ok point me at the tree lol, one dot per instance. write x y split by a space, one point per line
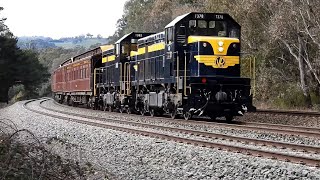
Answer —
18 66
89 35
99 36
283 36
8 52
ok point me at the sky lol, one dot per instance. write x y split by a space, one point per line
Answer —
61 18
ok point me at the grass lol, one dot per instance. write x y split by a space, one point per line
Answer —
24 156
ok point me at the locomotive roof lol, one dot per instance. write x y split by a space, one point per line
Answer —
176 20
131 34
179 18
93 51
123 37
152 37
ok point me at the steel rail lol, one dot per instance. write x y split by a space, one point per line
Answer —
274 128
303 148
292 113
237 149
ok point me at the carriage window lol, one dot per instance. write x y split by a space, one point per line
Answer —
202 24
192 23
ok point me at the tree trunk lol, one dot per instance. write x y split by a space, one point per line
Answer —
303 84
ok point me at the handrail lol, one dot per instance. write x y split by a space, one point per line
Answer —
128 79
94 82
185 74
177 74
120 64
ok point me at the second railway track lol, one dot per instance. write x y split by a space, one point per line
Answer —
289 113
101 122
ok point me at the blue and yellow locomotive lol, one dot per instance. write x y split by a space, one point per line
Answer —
191 68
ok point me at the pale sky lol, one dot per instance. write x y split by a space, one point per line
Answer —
61 18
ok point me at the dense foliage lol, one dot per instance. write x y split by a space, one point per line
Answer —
283 36
18 66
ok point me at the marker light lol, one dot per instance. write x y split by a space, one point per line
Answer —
204 80
204 44
221 49
220 43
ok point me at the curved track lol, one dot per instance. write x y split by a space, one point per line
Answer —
274 128
101 122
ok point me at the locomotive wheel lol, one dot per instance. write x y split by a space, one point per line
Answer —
229 118
152 113
212 117
129 110
73 104
121 109
173 114
142 111
187 115
160 113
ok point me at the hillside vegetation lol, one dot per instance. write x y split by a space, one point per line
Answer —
283 37
39 42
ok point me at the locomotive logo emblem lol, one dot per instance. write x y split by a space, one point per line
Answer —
220 62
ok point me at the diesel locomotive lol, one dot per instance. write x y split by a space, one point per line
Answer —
192 68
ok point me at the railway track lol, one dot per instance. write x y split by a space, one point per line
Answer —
101 122
274 128
289 113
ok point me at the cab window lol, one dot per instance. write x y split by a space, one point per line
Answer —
192 23
212 24
117 49
221 28
234 33
169 35
202 24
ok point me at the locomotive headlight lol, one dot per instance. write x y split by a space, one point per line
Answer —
220 43
221 49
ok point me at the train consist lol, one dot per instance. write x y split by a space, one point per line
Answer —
191 68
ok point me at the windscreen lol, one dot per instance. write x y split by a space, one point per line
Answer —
213 28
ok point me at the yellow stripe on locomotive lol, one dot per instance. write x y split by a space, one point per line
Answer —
156 47
108 58
218 61
219 57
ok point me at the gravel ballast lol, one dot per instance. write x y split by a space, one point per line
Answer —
183 135
127 156
184 124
